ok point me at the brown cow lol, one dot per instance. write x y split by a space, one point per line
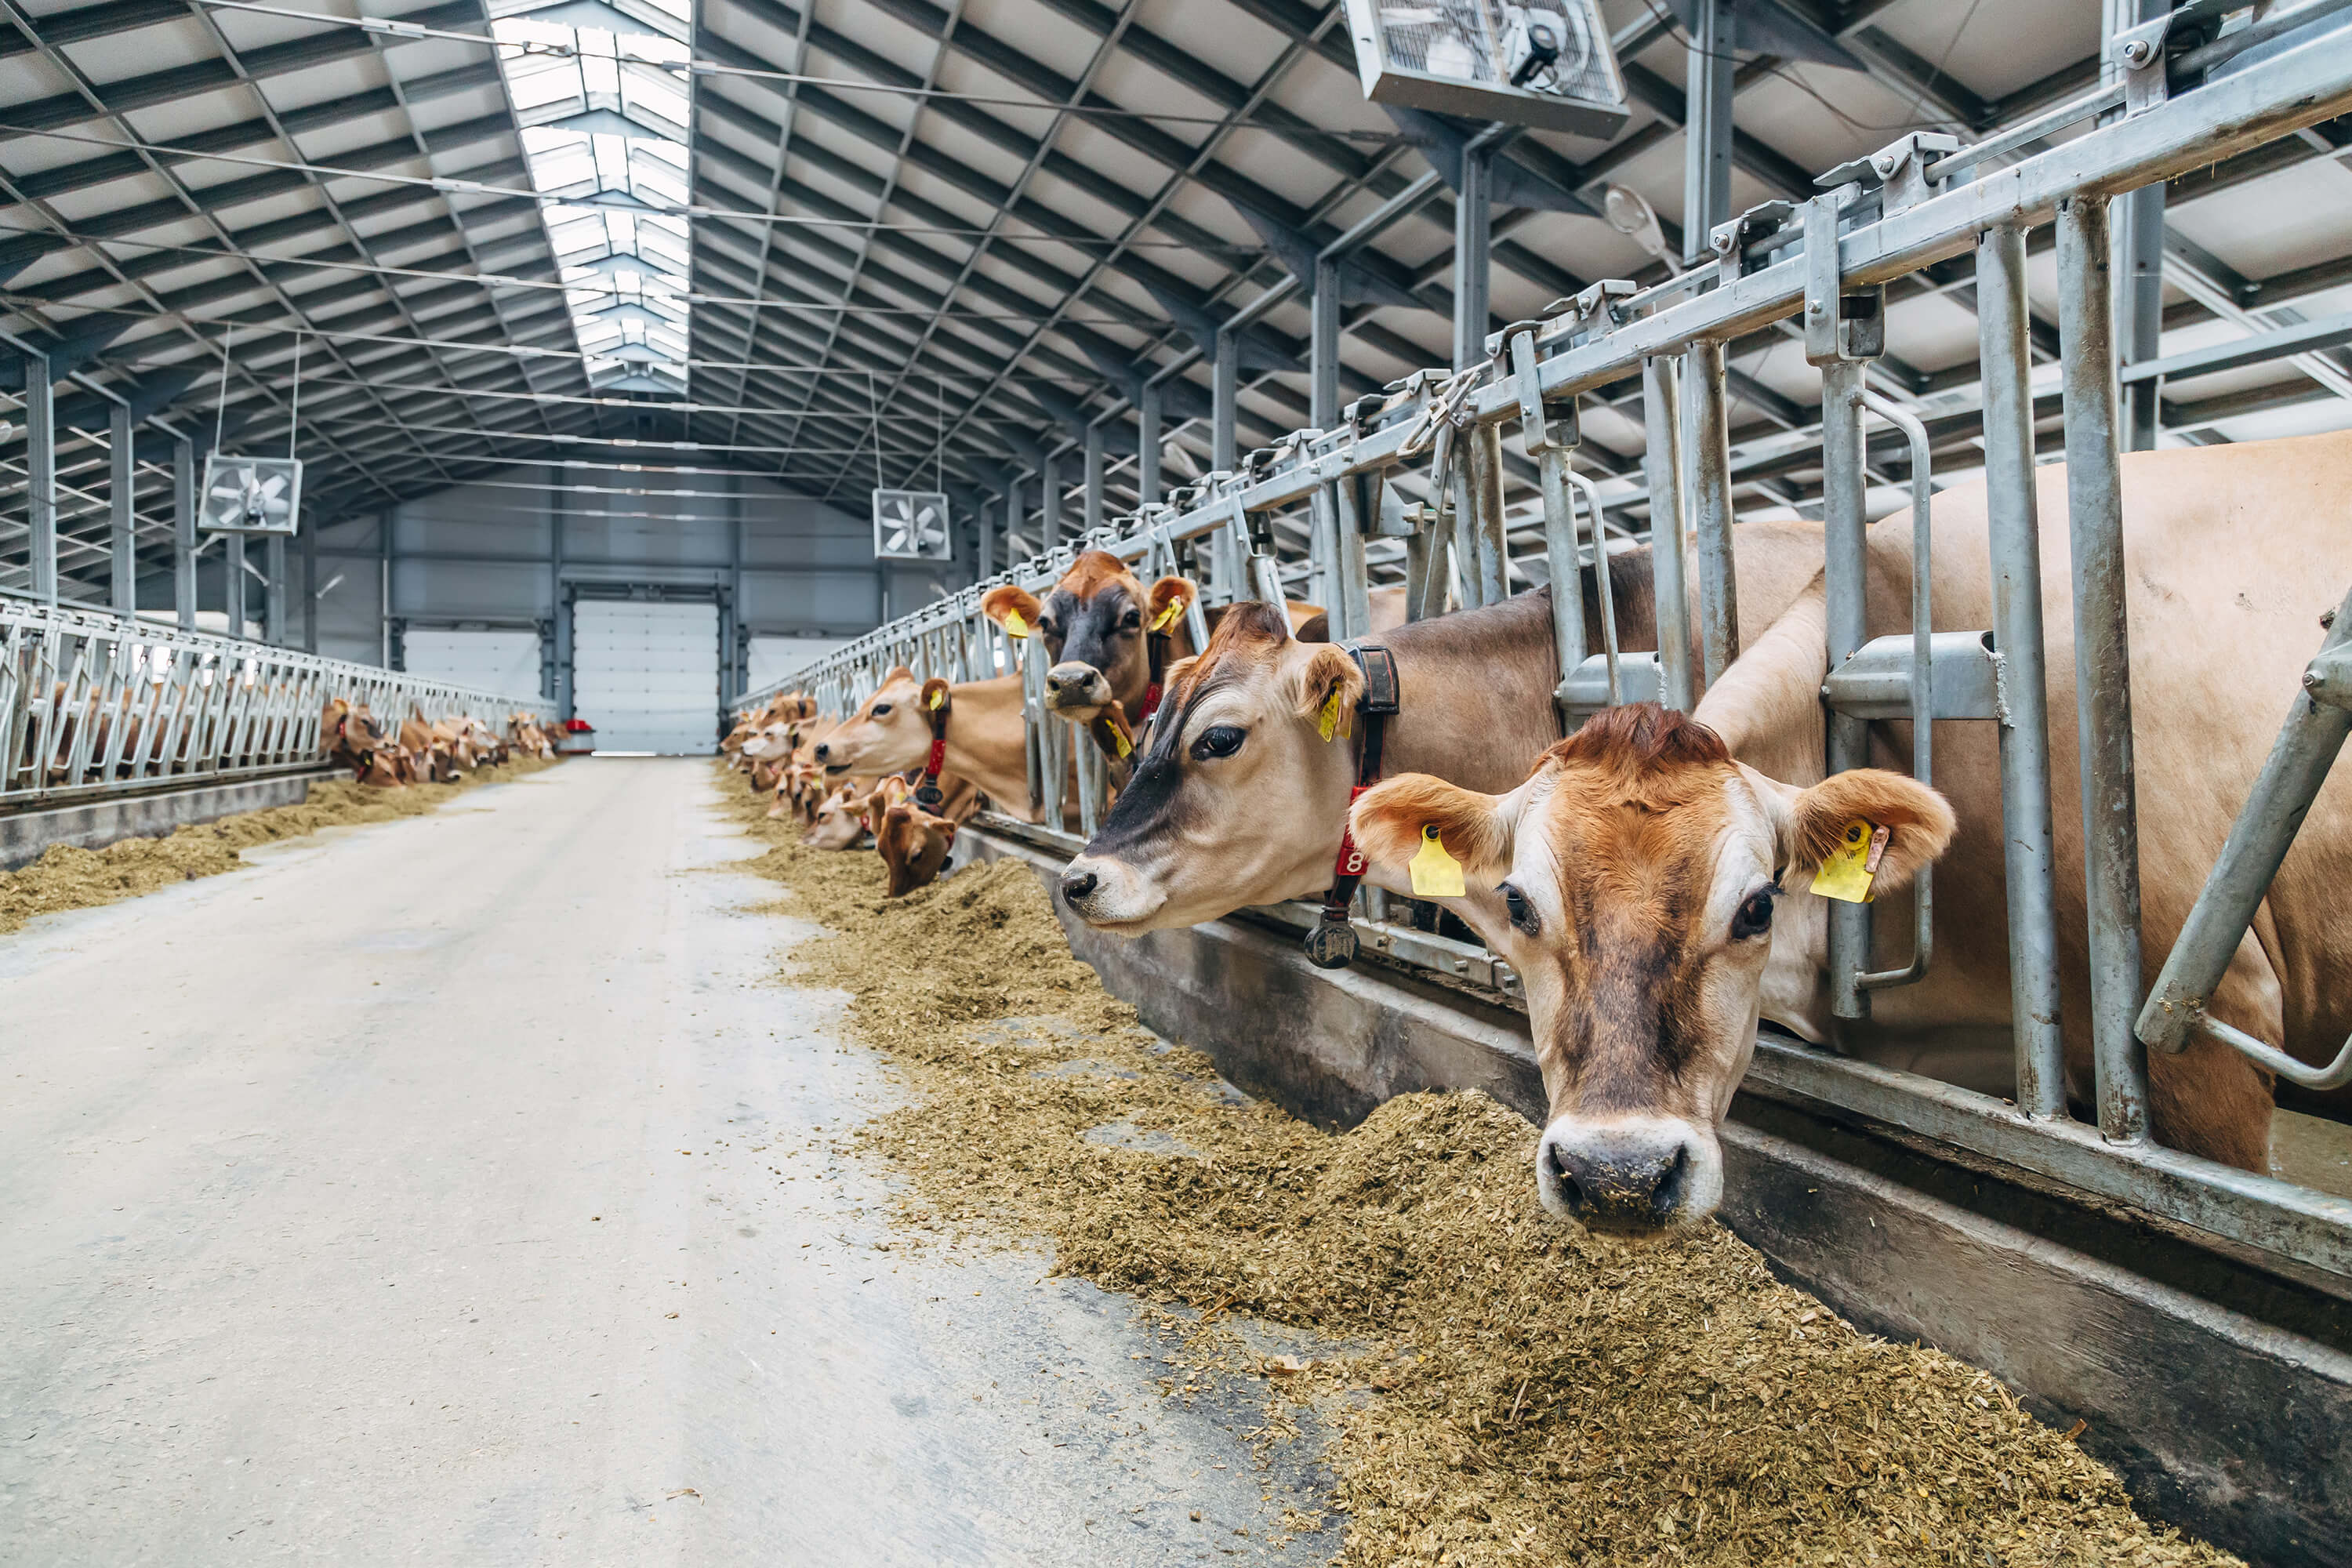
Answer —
914 844
891 733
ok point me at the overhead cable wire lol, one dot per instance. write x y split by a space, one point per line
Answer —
692 67
637 206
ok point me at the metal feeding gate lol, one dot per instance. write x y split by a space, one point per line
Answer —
1826 262
95 704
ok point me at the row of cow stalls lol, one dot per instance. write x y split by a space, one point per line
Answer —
1824 266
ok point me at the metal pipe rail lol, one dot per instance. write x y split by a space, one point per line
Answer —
95 704
1884 217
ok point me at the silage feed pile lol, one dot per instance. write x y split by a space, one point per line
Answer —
68 877
1505 1389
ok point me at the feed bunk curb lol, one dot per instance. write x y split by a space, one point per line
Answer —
26 835
2235 1429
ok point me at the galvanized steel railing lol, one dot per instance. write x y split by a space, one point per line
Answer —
96 704
1827 263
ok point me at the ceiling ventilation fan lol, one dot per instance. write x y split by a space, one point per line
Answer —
911 525
250 495
1546 64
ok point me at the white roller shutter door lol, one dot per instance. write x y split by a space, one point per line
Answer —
647 675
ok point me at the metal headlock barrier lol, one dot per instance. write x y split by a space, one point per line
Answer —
2182 101
94 704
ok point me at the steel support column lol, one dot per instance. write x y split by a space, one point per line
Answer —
1323 347
41 476
121 523
1845 520
1094 476
2137 242
310 590
184 533
983 564
1147 443
2095 519
273 591
1710 72
1662 468
1706 430
1049 521
1224 397
2014 527
232 581
1473 230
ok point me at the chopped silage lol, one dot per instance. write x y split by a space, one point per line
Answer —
67 876
1507 1390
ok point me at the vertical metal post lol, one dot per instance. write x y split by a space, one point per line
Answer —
1706 429
1147 443
1709 70
1484 447
736 648
273 599
2095 519
1561 550
1662 469
2013 525
385 522
1224 397
232 576
984 565
184 533
1094 476
1473 249
1845 520
121 521
1359 502
559 616
1049 521
310 590
2137 255
41 476
1323 347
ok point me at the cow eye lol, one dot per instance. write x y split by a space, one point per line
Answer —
1755 916
1522 913
881 710
1218 740
1131 621
1047 624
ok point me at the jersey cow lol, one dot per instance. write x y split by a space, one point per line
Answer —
1655 855
1242 794
978 727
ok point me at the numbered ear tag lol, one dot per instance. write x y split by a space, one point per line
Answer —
939 699
1015 625
1167 617
1327 721
1436 874
1119 739
1852 866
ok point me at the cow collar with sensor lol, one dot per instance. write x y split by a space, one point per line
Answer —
1333 944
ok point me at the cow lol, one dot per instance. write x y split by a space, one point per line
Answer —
839 821
913 843
1241 794
2232 555
985 742
1109 638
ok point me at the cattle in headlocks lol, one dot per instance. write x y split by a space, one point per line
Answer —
1110 641
1241 797
976 725
352 738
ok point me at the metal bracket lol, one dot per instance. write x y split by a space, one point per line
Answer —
2328 677
1538 436
1586 688
1840 327
1729 239
1876 683
2140 52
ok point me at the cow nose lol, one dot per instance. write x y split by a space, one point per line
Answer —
1069 678
1616 1183
1078 885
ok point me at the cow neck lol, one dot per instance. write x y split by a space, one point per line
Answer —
1478 687
986 743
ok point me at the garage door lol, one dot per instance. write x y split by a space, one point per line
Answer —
504 662
646 675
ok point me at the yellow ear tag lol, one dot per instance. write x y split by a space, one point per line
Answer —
939 699
1126 747
1852 866
1014 624
1436 874
1168 616
1327 721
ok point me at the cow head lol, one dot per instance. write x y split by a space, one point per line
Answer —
914 844
1639 867
890 731
839 821
1096 623
1240 791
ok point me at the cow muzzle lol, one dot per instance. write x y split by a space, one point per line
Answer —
1077 691
1635 1175
1108 894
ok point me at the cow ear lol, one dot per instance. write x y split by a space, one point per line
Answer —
935 695
1167 602
1918 821
1391 820
1007 601
1329 689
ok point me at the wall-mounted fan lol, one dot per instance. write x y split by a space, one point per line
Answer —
1546 64
911 525
250 495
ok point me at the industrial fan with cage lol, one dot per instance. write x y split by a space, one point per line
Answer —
250 495
911 525
1546 64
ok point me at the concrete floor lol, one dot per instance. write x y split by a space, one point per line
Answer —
459 1190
